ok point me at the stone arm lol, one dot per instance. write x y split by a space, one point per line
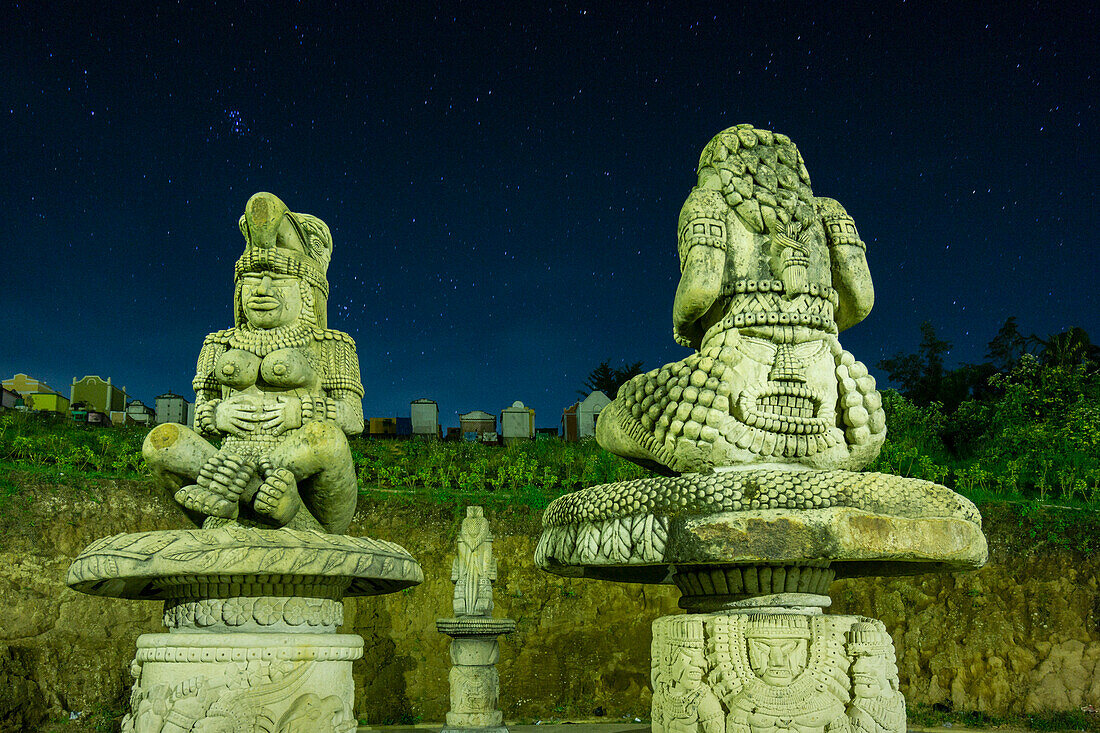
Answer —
208 391
340 382
848 257
701 241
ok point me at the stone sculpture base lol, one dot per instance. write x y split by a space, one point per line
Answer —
240 681
764 668
475 683
252 616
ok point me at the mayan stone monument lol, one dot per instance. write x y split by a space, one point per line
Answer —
475 685
253 597
759 435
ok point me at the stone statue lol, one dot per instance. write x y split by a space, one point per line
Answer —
475 650
759 434
770 274
475 568
877 705
253 599
280 388
682 701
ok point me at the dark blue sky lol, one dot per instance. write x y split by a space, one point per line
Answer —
502 183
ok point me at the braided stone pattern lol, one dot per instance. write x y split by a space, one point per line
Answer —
333 652
255 259
735 491
764 179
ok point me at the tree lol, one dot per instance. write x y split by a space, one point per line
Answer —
1006 348
607 379
1068 348
921 375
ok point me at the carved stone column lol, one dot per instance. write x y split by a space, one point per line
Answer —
755 653
475 685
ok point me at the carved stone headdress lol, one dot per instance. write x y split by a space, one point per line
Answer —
868 639
266 251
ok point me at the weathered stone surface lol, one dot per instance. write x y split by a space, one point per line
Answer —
475 649
769 274
774 671
151 565
252 600
758 433
280 390
862 523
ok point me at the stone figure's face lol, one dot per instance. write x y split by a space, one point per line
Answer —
271 300
786 388
777 661
686 670
869 677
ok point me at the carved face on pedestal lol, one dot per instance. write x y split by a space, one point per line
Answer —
271 300
869 677
687 671
778 661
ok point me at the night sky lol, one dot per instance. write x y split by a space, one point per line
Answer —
503 183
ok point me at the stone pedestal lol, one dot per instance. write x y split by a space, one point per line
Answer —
753 553
252 618
475 685
766 667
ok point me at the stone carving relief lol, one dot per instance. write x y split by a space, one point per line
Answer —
475 568
682 701
253 598
475 650
770 273
877 704
474 689
768 672
280 388
239 701
628 522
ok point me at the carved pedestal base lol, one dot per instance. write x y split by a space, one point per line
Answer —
475 687
252 617
242 681
749 671
475 684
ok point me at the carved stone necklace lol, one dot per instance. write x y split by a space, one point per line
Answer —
262 342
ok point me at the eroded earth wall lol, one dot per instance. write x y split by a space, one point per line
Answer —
1021 635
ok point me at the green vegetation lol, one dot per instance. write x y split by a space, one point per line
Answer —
607 379
529 474
1023 425
940 716
35 441
1021 431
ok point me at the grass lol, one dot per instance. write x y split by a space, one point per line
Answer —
941 716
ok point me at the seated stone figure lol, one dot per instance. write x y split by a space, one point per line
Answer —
280 388
770 274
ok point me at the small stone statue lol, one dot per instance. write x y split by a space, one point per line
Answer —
475 568
475 684
877 704
280 388
770 273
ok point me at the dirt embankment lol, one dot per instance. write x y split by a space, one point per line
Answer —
1021 635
